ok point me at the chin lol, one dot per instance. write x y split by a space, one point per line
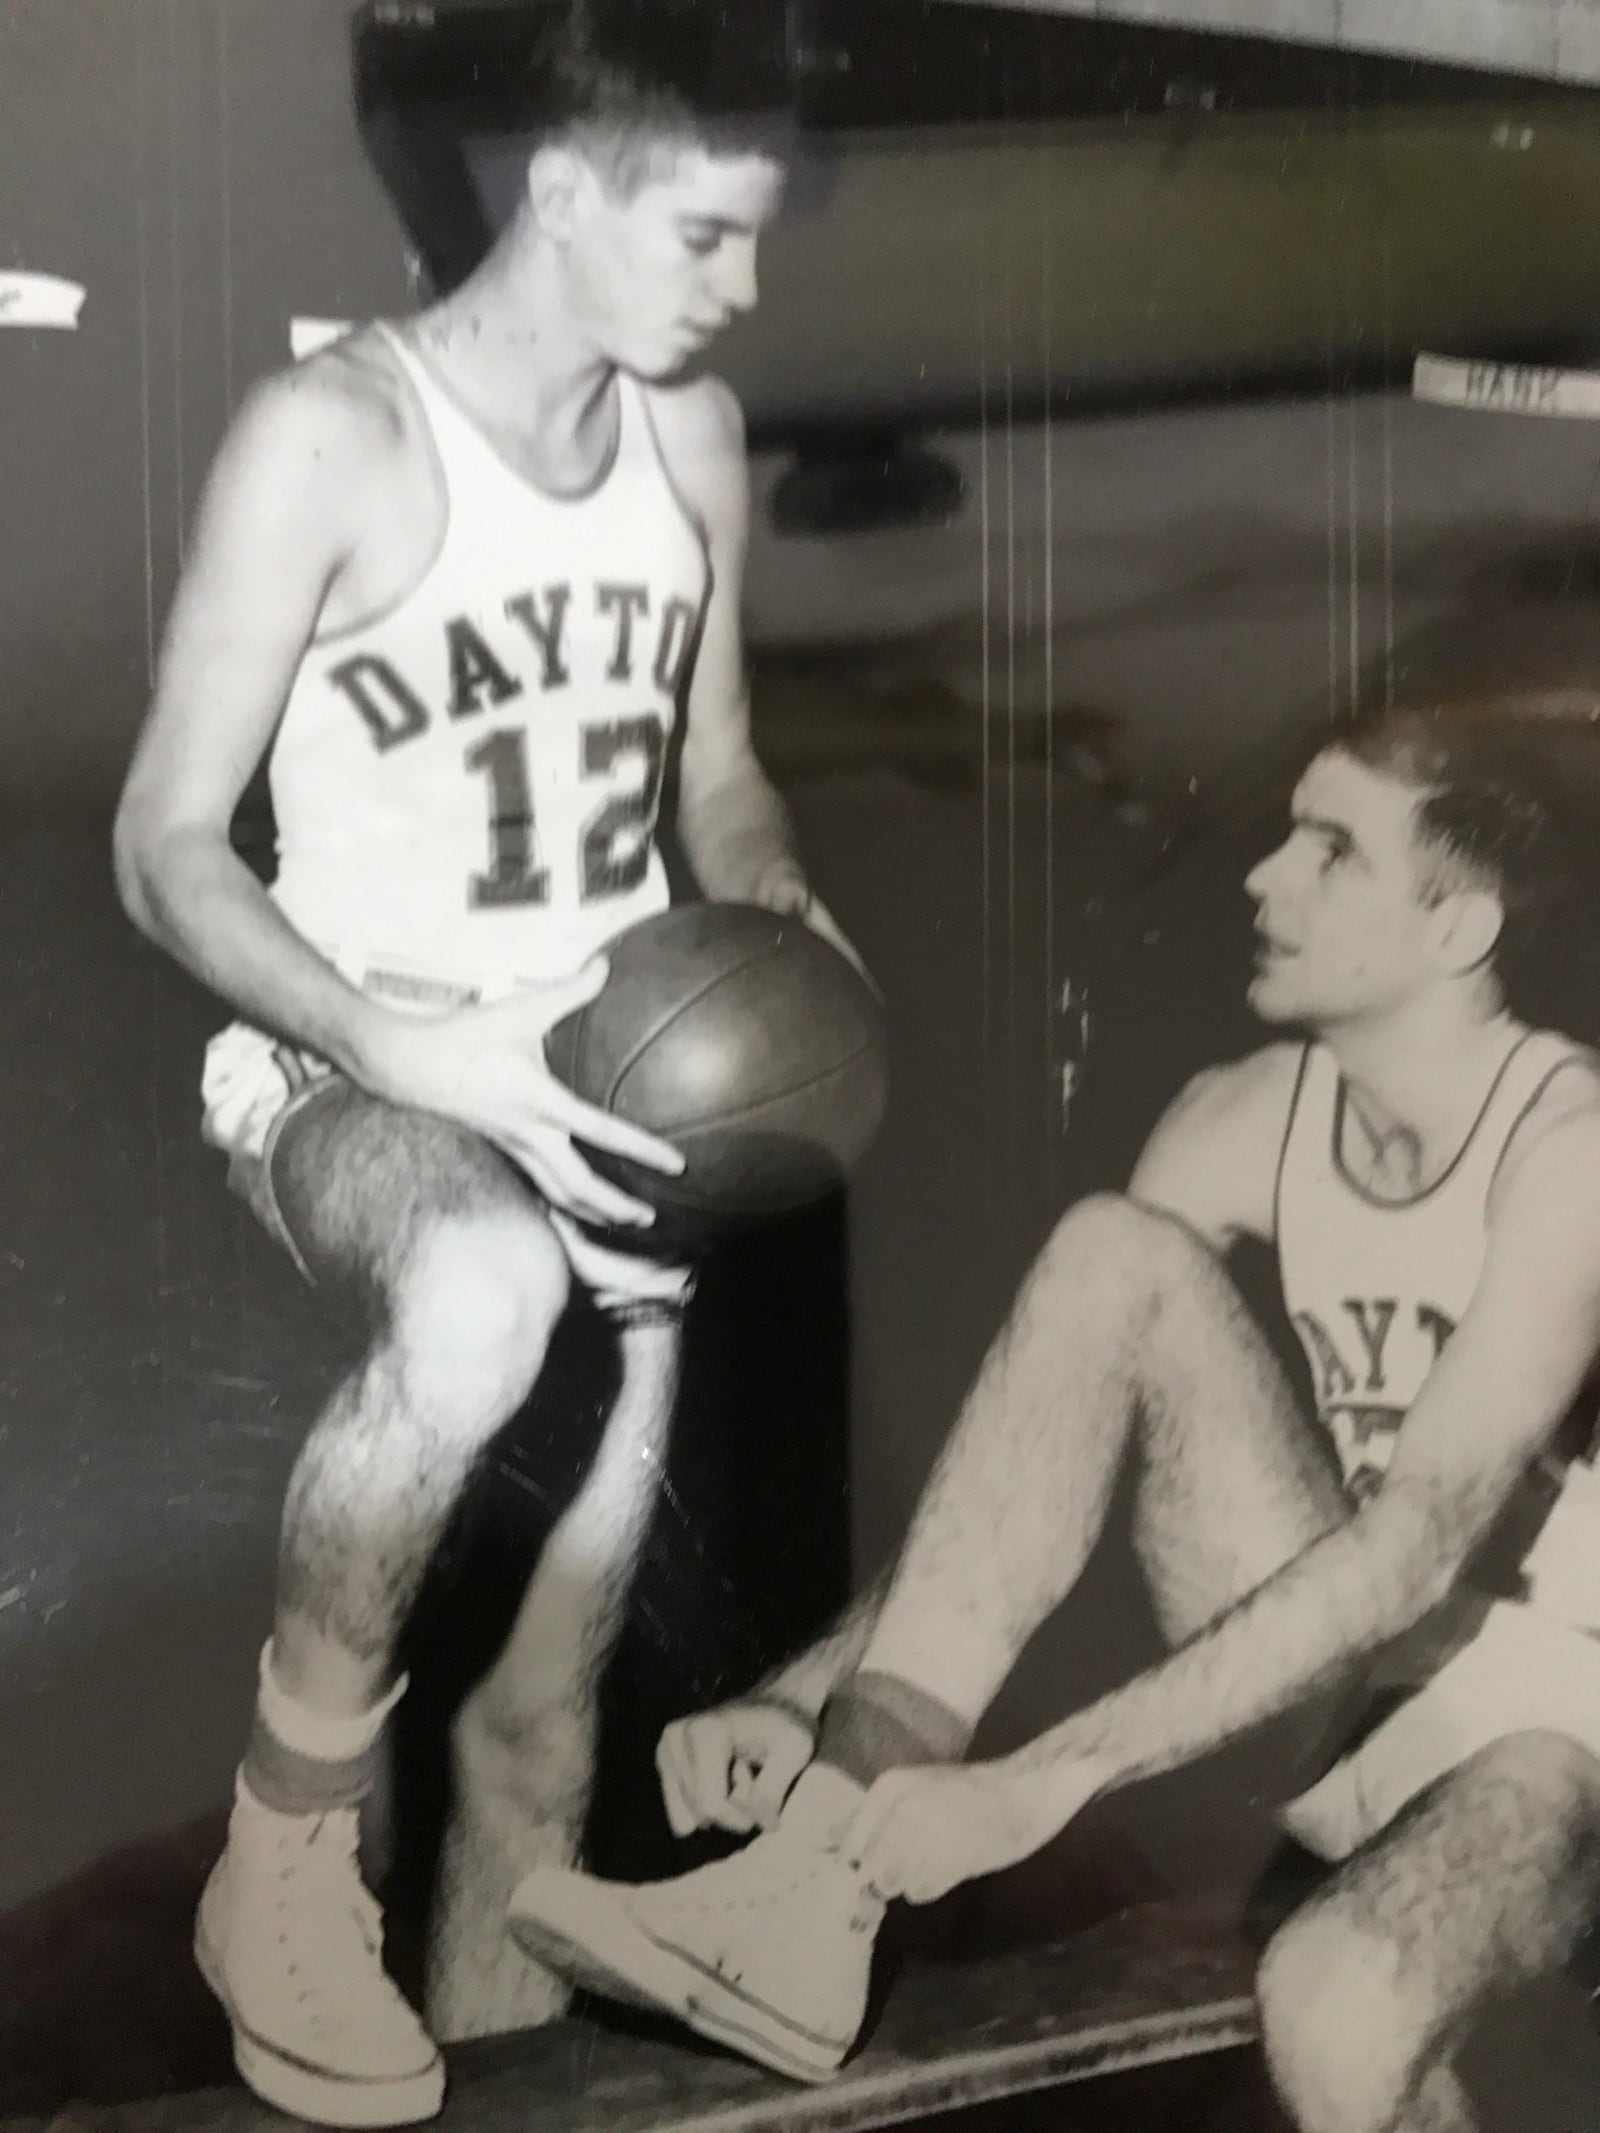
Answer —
666 361
1268 1002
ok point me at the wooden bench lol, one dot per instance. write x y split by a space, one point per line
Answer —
1144 1988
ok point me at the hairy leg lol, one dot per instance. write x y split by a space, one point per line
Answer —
524 1741
447 1262
1127 1340
1486 1885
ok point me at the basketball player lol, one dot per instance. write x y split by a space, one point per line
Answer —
456 578
1428 1170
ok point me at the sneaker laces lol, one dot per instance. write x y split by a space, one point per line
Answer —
334 1927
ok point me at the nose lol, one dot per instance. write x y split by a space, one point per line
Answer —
1265 875
736 279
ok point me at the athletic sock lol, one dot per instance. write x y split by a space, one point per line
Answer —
880 1722
300 1762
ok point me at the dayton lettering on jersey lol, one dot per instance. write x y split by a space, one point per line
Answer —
477 675
1353 1364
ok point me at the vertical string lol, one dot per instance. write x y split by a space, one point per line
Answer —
225 199
175 113
1386 297
141 91
985 722
1055 1095
154 994
1354 142
1012 988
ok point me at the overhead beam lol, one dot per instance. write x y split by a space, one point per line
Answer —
1554 40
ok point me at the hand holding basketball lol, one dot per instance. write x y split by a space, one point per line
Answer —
484 1067
783 888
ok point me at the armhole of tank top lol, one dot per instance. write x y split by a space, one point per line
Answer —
1571 1056
1302 1073
650 439
409 376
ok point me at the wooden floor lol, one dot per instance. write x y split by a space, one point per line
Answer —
1137 1991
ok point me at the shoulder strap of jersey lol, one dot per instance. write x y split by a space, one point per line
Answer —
460 447
1533 1064
1306 1153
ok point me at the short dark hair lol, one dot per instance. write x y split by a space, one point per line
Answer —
623 78
1508 798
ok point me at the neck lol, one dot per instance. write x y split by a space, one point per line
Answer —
1418 1074
508 345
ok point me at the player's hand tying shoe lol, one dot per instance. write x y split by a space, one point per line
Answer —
920 1833
732 1767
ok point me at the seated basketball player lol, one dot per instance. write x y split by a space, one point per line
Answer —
458 577
1428 1169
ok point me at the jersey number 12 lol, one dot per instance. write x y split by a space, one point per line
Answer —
613 844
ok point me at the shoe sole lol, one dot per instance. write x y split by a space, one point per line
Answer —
553 1921
311 2092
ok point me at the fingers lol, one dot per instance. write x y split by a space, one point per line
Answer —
566 995
822 922
676 1796
867 1844
770 1783
895 1842
701 1780
601 1129
567 1182
732 1770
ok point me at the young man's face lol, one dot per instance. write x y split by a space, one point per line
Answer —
656 273
1346 930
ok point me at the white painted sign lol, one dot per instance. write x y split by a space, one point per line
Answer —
39 300
1507 388
307 335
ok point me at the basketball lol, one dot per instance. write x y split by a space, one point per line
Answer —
745 1040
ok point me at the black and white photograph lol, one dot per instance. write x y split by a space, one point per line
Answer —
800 1287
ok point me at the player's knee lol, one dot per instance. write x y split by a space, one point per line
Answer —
479 1299
1131 1248
1550 1771
1325 1985
513 1753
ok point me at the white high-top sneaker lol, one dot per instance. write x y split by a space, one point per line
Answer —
289 1938
768 1952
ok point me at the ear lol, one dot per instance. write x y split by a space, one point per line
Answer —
1469 923
555 183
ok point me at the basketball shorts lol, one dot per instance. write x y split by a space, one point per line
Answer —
1522 1669
253 1085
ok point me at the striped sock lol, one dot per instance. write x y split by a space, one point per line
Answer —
880 1722
301 1762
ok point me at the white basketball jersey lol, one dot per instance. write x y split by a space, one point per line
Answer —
466 787
1376 1287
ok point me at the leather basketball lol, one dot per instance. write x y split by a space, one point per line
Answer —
746 1041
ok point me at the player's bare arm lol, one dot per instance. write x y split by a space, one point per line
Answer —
1212 1158
275 533
315 456
736 829
1492 1403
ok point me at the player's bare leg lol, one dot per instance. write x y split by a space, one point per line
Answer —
1127 1341
524 1741
448 1263
1484 1886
